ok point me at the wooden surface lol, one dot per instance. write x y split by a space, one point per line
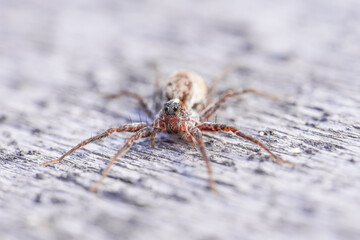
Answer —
58 58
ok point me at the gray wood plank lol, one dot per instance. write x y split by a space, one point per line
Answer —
57 59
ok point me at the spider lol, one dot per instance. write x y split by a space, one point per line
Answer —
188 107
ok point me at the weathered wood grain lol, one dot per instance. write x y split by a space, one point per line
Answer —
58 59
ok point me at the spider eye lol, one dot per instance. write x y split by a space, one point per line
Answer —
171 107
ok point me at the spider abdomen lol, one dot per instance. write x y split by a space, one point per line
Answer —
187 86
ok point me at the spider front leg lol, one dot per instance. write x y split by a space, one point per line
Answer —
213 127
144 132
227 94
125 128
195 133
190 138
139 98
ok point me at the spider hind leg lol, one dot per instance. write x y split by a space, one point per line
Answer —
212 109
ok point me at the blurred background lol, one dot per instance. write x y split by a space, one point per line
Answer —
50 41
74 45
58 59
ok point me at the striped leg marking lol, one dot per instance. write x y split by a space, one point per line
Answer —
144 132
139 98
213 127
230 93
197 135
125 128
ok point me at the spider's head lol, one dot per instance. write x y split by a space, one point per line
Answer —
172 107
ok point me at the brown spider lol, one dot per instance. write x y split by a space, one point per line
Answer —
189 105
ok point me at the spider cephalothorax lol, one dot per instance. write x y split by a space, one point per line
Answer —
189 105
172 107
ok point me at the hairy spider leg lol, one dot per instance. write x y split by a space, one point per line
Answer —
144 132
145 107
220 77
197 135
190 138
214 127
133 127
152 139
227 94
158 96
